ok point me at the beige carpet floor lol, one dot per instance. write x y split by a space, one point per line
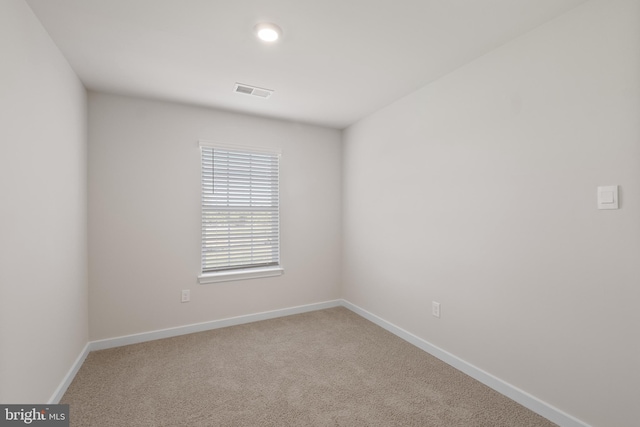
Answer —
324 368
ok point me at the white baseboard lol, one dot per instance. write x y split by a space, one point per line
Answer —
180 330
205 326
522 397
66 381
525 399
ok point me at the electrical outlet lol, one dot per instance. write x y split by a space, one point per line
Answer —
435 309
186 295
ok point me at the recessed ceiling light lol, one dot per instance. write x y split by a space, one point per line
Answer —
268 32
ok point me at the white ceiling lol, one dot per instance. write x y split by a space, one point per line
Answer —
338 60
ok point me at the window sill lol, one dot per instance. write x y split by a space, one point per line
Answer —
228 276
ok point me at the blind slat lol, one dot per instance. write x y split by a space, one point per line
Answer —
240 209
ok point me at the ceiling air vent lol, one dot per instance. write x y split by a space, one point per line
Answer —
252 90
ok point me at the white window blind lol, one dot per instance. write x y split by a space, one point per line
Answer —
240 209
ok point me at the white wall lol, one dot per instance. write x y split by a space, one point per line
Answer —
144 215
478 191
43 263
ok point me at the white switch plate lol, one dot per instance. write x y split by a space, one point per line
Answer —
435 309
608 197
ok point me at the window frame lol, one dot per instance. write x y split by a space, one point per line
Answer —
237 273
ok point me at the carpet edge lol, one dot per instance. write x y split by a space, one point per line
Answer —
527 400
68 378
206 326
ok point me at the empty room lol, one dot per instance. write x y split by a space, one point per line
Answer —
320 213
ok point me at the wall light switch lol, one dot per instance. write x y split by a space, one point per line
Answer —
435 309
608 197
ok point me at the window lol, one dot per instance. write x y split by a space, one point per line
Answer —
240 213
